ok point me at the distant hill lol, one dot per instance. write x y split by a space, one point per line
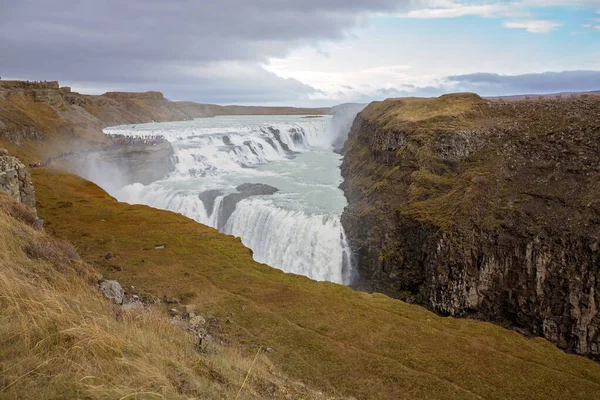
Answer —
545 96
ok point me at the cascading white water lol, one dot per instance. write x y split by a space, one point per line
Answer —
305 244
298 228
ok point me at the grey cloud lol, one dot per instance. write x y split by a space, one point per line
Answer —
489 84
546 82
154 44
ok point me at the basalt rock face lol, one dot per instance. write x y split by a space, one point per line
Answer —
480 208
15 179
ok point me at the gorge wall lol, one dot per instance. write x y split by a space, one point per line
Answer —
483 209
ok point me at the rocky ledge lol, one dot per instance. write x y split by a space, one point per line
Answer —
483 209
16 180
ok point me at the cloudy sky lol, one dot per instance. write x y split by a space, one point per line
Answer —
304 53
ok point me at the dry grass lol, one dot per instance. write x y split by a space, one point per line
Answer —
326 335
20 212
59 339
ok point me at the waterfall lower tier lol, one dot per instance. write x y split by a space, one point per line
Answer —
310 245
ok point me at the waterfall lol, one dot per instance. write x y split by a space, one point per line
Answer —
304 244
297 229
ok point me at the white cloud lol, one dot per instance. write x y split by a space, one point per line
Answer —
432 9
455 10
593 24
533 26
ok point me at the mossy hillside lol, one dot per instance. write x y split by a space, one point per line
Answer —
60 339
35 130
453 210
327 335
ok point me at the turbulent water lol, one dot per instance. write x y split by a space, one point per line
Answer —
298 228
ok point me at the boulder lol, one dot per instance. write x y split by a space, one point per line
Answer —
112 290
208 199
256 189
15 180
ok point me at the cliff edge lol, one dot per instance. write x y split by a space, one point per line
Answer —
480 208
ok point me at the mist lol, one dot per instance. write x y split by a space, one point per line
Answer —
341 123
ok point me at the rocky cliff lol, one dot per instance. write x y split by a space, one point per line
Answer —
484 209
15 180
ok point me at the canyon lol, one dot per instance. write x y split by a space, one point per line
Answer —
420 175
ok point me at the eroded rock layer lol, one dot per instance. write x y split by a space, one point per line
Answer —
481 208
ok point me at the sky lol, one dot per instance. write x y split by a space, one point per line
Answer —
304 53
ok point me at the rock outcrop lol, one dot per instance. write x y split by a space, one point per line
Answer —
16 180
244 191
483 209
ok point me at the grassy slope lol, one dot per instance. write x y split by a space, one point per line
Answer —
345 342
60 339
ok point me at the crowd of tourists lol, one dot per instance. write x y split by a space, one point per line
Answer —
137 140
117 141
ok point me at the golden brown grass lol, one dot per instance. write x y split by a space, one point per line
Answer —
402 113
20 111
59 339
326 335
